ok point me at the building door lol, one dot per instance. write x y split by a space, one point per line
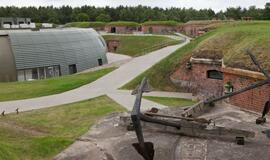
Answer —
113 30
72 69
150 30
100 63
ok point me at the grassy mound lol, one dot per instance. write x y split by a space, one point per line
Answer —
231 39
123 23
31 89
42 134
165 23
140 45
86 24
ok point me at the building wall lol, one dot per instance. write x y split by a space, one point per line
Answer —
193 30
112 45
254 99
7 62
54 50
121 29
14 21
159 29
195 80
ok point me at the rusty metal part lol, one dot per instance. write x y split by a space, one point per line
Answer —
252 86
267 133
153 110
146 149
199 120
141 147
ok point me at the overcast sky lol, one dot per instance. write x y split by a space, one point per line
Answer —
198 4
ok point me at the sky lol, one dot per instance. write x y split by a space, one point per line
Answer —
197 4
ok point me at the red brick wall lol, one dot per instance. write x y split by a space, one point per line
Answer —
196 81
112 45
159 29
121 29
193 30
254 99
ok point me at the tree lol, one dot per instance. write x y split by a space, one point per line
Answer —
235 13
103 18
82 17
267 11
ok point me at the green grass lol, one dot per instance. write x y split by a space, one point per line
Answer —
86 24
170 102
167 23
231 38
140 45
123 23
42 134
31 89
159 74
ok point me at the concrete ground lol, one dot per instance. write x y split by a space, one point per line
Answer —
106 85
109 140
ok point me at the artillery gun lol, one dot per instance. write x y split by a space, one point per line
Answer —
188 123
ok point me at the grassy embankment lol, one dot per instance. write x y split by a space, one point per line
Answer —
171 102
42 134
31 89
86 24
232 39
140 45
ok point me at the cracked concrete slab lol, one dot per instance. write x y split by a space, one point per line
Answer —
111 137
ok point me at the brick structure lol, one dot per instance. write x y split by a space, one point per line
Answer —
197 28
112 45
120 29
198 81
247 18
254 99
158 29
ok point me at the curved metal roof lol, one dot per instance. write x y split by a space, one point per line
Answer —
58 47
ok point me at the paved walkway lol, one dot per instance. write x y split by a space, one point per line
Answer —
106 85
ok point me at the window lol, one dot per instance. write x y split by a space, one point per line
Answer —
41 73
38 73
20 75
49 72
214 74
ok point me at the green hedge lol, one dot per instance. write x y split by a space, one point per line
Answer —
123 23
86 24
167 23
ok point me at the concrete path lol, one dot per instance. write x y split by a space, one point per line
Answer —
114 57
106 85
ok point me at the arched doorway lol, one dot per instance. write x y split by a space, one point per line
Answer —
113 30
150 30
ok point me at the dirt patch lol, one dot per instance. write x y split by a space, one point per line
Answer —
23 129
214 54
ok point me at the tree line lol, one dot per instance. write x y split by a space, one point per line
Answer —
65 14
